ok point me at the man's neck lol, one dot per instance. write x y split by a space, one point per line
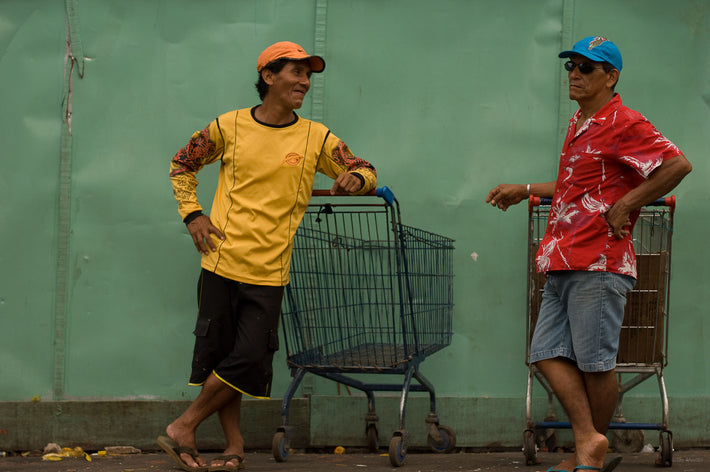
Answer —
589 108
274 115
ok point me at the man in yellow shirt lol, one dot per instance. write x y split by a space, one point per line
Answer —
268 159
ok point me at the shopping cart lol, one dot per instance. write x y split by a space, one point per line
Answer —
644 333
367 295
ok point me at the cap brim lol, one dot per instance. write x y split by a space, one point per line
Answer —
317 63
588 55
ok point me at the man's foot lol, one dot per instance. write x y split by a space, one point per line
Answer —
590 451
177 453
186 441
227 462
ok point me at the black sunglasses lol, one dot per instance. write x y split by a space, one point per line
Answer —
584 67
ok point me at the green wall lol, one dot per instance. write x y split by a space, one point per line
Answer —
447 98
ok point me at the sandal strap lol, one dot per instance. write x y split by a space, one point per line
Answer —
187 450
229 457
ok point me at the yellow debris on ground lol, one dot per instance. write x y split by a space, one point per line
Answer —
66 452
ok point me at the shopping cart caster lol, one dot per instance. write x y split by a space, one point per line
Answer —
280 446
398 448
666 454
628 440
372 438
530 448
446 443
546 440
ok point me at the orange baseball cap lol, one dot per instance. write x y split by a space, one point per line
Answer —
288 50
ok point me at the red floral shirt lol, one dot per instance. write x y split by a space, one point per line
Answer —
612 153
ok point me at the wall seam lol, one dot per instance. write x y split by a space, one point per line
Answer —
566 38
318 80
318 103
72 51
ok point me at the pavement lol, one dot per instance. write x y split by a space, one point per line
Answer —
690 460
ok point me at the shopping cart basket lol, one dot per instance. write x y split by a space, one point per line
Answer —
367 295
644 333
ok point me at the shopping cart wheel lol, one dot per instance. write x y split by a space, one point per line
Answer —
398 450
372 438
530 448
448 440
546 440
628 440
666 457
279 446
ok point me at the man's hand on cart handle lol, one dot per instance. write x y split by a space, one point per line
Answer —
201 229
346 183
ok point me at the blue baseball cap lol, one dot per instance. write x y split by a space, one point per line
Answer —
597 48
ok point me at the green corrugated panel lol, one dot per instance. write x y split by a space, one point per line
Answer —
447 98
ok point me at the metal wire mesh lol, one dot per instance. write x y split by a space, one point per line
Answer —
644 333
367 293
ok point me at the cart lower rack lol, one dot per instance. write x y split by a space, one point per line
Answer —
643 341
367 295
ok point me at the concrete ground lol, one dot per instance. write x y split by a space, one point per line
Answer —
691 460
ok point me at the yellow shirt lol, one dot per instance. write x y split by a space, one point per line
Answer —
265 183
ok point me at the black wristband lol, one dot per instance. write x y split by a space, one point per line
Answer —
362 179
189 218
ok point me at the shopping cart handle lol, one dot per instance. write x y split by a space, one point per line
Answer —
386 194
382 192
665 201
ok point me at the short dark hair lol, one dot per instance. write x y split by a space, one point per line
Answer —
275 66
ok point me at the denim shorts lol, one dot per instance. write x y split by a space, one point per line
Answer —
580 318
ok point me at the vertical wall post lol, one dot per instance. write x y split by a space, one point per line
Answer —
74 57
567 39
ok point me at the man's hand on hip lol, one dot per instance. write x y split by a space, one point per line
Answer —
201 229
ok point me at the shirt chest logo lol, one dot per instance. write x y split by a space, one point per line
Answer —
292 159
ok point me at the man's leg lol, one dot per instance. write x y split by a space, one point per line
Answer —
568 383
213 397
602 392
229 418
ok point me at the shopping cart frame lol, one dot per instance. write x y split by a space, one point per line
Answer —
303 360
642 364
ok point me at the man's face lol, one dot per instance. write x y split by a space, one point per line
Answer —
291 84
589 86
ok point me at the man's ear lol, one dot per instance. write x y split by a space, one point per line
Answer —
613 77
267 75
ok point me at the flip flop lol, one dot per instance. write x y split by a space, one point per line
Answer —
552 469
174 450
612 464
227 468
607 468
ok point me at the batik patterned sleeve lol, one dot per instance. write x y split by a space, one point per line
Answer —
203 148
337 158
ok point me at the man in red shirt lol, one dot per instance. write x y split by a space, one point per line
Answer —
613 162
